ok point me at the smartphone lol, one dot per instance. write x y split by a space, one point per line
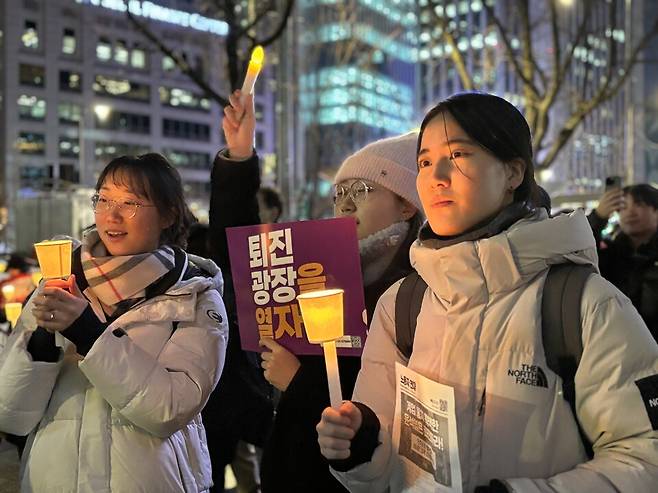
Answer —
612 182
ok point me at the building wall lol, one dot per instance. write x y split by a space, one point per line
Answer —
151 107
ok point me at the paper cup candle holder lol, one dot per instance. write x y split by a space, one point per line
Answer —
55 262
322 312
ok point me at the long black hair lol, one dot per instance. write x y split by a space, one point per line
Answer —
153 177
500 128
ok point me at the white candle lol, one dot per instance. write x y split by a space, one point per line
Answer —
255 65
331 362
323 320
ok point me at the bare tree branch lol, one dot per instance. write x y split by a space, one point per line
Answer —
282 25
580 33
181 63
455 54
511 56
257 18
605 93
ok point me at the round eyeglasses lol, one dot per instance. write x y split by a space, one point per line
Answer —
357 192
103 205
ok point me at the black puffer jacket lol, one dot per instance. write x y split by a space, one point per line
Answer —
634 272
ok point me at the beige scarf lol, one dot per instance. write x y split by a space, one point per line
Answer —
121 280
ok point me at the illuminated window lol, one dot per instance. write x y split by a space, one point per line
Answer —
182 98
138 57
69 147
168 64
125 122
104 49
68 113
121 52
31 75
121 88
30 36
31 143
31 107
109 150
70 81
68 42
188 159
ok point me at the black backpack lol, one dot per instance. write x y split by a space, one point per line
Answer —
561 327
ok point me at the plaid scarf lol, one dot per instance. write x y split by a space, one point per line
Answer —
120 281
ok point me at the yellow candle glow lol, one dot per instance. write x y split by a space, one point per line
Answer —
8 293
36 278
255 65
322 312
12 312
54 258
55 262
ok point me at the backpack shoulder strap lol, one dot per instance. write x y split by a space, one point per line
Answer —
562 328
408 302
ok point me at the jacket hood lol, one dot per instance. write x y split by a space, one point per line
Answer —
509 259
204 275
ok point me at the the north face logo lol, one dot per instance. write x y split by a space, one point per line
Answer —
529 375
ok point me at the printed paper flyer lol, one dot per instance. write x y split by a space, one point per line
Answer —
425 433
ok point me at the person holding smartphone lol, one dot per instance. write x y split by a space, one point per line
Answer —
629 259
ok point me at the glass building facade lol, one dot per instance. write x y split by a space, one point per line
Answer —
358 82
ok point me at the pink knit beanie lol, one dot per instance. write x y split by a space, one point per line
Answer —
389 162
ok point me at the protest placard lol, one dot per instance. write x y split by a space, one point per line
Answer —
273 263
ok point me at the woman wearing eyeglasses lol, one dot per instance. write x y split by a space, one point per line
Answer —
109 379
377 187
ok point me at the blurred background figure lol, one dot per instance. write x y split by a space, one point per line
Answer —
270 206
629 258
18 276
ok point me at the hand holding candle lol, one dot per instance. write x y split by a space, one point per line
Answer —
322 312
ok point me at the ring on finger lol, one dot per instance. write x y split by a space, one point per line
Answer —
52 315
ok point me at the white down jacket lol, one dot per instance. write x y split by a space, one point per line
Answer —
481 321
126 417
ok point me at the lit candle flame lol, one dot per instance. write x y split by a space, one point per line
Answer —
255 66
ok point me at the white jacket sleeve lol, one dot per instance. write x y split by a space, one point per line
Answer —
161 395
25 385
618 350
375 387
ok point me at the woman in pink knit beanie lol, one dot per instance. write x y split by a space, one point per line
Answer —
377 187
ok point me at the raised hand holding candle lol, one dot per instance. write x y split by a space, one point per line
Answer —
322 312
255 66
55 262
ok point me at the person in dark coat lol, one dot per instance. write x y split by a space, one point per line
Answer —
241 408
629 260
376 186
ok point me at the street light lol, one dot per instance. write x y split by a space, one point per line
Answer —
102 112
